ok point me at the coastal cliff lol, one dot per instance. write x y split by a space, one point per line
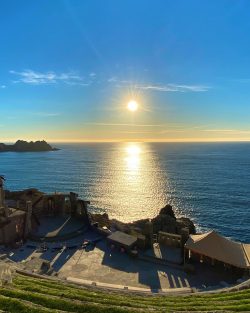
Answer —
24 146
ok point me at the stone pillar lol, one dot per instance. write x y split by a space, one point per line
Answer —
6 211
2 202
73 202
63 207
148 232
86 213
184 232
28 225
3 208
1 198
184 238
82 211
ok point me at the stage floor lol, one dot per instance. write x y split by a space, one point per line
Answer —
53 226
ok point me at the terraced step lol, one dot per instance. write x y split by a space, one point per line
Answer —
57 302
29 294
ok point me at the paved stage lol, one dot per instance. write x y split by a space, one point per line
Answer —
102 265
98 263
58 226
165 253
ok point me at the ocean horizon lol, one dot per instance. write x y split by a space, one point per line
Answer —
207 182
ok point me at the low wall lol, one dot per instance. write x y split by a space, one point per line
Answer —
169 239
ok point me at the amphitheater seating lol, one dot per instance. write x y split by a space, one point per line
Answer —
35 295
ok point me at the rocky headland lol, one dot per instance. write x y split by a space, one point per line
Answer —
24 146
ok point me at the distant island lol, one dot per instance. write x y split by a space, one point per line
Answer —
24 146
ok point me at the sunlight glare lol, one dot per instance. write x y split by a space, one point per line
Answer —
133 150
133 157
132 105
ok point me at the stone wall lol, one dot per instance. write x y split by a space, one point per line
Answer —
14 230
169 239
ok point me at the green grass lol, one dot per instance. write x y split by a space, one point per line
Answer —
28 294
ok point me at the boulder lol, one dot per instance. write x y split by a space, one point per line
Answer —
185 222
163 222
101 219
123 227
167 210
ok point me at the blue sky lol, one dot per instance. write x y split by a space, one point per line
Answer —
68 69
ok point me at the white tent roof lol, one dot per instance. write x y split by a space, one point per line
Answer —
217 247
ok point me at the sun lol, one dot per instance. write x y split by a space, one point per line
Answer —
132 105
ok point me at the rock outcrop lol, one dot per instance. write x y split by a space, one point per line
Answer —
165 221
24 146
185 222
168 210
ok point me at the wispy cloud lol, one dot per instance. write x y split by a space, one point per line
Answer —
34 114
46 114
50 77
124 124
2 86
112 79
121 82
174 88
169 87
173 131
229 131
135 132
32 77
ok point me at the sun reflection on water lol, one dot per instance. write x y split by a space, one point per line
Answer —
133 157
130 184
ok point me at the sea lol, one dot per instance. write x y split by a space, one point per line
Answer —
207 182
